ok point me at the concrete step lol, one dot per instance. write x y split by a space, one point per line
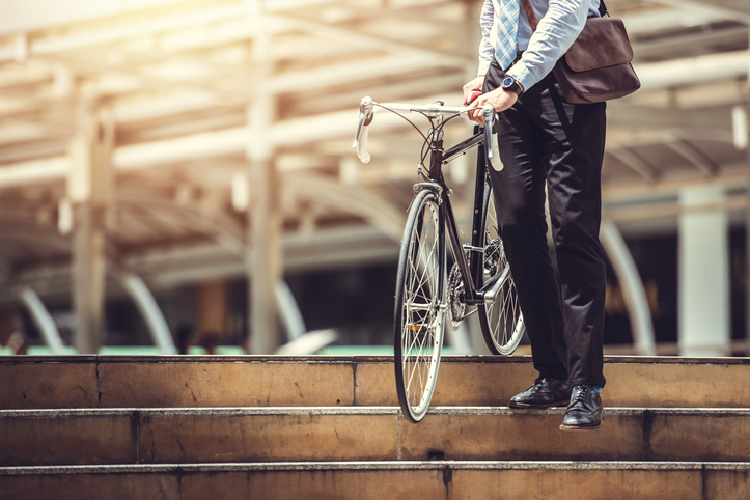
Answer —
378 480
250 381
99 437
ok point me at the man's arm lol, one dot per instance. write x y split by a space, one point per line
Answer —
553 36
486 51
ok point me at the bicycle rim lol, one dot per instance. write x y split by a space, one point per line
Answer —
501 321
419 318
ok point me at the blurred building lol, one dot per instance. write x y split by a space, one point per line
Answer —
186 166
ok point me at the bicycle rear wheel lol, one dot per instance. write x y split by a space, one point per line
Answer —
420 309
501 320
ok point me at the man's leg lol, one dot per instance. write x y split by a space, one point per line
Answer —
520 197
576 152
576 135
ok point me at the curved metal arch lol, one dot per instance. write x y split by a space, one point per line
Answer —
227 232
632 288
355 200
42 319
289 312
149 309
231 238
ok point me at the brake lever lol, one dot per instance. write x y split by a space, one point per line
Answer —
365 118
488 115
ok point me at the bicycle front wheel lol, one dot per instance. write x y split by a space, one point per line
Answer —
419 316
501 320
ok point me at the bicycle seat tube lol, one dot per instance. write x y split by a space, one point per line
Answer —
476 261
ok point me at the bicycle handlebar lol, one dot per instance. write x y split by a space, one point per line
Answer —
367 111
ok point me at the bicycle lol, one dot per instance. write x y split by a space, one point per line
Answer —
426 292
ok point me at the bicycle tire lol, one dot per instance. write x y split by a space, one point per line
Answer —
420 309
501 321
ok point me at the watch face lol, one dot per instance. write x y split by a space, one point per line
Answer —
507 82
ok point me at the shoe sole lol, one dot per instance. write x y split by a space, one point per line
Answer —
554 404
579 427
582 427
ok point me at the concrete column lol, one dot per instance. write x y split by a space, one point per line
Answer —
263 259
89 188
212 314
703 278
744 142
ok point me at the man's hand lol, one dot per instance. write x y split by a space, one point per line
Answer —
500 99
473 86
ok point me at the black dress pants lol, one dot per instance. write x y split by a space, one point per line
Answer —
546 142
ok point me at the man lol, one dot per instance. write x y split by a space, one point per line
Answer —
545 142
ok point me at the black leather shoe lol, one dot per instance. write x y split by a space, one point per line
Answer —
545 393
584 411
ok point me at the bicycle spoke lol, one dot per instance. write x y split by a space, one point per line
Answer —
419 332
501 321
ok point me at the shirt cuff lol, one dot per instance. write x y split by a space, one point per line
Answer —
522 76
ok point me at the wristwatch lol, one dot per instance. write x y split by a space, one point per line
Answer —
510 83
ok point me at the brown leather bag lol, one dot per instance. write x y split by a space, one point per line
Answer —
598 67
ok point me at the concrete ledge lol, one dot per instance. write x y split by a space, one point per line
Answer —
451 480
226 435
250 381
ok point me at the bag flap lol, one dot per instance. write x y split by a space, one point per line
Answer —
603 42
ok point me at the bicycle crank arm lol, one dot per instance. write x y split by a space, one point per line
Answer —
495 284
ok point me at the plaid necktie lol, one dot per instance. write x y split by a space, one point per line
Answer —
505 31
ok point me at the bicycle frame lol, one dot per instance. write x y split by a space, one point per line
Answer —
427 293
471 270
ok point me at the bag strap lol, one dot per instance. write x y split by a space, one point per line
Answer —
531 15
603 10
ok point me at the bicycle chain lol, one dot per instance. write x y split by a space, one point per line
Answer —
494 257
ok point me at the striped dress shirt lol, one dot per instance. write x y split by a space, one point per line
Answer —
560 22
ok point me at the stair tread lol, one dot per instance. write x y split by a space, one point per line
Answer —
354 410
381 465
318 359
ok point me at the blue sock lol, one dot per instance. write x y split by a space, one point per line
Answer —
597 388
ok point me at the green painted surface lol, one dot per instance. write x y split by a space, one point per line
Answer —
228 350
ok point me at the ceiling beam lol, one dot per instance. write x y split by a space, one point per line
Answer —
319 127
373 42
695 156
728 176
669 47
669 18
636 163
624 115
735 12
54 44
693 70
